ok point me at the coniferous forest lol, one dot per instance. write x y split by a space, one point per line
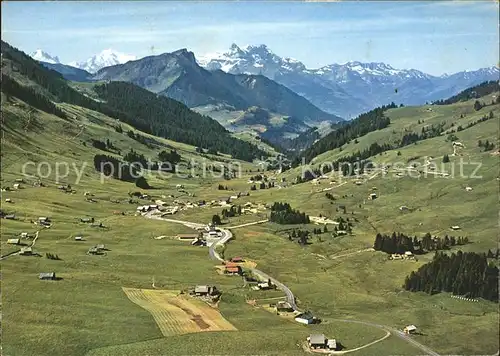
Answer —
471 93
113 167
363 124
463 273
30 96
400 243
282 213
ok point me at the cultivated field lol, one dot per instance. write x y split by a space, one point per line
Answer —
177 314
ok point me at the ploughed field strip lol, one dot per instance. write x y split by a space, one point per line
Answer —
177 314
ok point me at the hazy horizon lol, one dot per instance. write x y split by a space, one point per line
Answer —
434 37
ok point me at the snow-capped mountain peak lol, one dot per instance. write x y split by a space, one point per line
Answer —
366 71
259 59
345 89
250 59
106 58
42 56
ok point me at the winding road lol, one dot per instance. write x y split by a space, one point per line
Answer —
395 332
227 235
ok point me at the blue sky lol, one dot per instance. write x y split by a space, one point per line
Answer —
435 37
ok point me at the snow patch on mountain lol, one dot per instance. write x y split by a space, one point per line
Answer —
366 71
42 56
106 58
250 60
261 60
345 89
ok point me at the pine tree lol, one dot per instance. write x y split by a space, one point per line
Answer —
216 220
141 182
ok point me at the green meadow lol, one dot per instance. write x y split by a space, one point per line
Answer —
87 313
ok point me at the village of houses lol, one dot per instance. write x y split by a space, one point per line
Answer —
206 236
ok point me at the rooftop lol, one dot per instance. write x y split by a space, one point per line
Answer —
317 339
305 315
202 289
47 275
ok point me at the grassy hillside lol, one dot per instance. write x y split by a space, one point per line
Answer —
271 126
412 120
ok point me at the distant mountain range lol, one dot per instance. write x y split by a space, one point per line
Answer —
40 88
178 76
344 90
239 102
42 56
106 58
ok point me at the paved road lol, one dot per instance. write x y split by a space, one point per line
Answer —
289 294
227 235
395 332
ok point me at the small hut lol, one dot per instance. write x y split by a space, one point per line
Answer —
47 276
26 251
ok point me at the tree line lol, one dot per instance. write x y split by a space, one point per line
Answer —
302 236
398 242
165 117
282 213
30 96
355 163
231 212
463 273
112 167
474 92
302 141
370 121
358 162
